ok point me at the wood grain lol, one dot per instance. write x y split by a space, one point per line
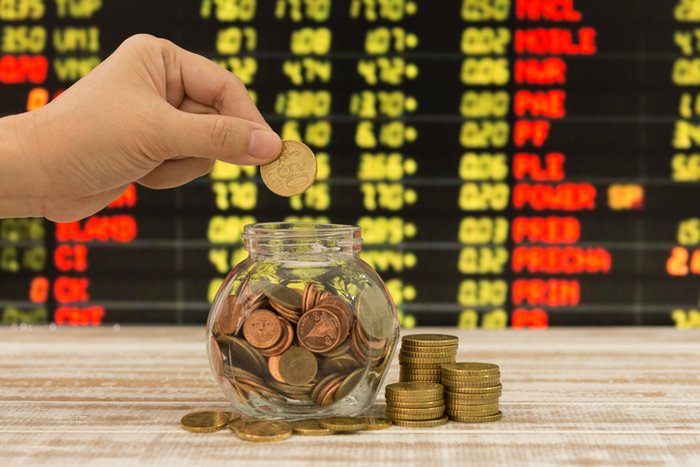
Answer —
96 397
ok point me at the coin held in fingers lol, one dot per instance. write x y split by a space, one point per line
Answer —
293 172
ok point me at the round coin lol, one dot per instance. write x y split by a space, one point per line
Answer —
429 340
415 405
476 379
319 330
285 296
428 349
457 385
470 369
309 428
498 389
293 172
262 329
297 366
470 419
205 421
343 423
401 416
419 388
435 411
349 383
374 313
263 430
377 423
422 423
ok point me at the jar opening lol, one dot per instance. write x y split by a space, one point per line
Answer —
301 238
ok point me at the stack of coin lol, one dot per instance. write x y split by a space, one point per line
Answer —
472 391
276 342
421 355
416 404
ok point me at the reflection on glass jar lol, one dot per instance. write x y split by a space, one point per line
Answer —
302 328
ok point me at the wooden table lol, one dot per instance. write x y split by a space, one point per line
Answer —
599 396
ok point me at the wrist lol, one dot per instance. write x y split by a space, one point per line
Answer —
21 192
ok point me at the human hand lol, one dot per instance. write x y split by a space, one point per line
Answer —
151 113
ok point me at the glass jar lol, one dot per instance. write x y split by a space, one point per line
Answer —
302 328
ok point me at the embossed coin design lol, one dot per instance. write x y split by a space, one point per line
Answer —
206 421
262 329
293 172
319 331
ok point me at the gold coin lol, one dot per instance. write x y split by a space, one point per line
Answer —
401 416
469 419
491 406
426 360
309 428
422 423
285 296
418 378
415 389
390 400
293 172
343 423
374 313
429 355
415 405
473 413
470 400
420 366
420 371
349 383
470 369
263 430
298 366
453 385
205 421
476 379
429 411
429 340
377 423
426 349
498 389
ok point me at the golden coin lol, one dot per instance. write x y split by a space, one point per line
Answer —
425 361
498 389
343 423
377 423
298 366
471 413
471 399
349 383
476 379
417 389
420 366
431 349
430 355
391 399
469 419
418 378
422 423
415 405
453 385
309 428
374 313
343 365
429 340
263 430
435 411
419 372
470 369
205 421
401 416
293 172
285 296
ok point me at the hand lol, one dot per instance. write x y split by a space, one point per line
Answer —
151 113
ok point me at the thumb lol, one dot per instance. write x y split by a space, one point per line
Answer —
229 139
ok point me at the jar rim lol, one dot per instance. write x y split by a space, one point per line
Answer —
268 230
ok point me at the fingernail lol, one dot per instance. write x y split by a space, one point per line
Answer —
264 144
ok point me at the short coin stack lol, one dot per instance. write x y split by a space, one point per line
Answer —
472 391
416 404
421 356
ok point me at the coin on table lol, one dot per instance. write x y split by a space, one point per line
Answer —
309 428
429 340
343 423
377 423
374 313
205 421
470 369
293 172
263 430
470 419
422 423
297 366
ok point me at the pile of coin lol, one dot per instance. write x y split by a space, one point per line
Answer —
281 343
421 356
416 404
209 421
472 391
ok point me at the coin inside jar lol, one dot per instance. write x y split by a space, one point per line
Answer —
298 366
374 313
262 329
319 331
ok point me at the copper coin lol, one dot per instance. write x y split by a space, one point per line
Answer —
328 398
338 313
216 359
294 170
342 304
285 341
262 329
319 331
273 365
321 385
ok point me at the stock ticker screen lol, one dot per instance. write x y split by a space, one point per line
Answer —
512 163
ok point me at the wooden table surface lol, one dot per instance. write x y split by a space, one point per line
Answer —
596 396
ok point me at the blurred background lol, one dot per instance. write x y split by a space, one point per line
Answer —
512 163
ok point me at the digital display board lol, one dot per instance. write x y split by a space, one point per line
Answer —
512 163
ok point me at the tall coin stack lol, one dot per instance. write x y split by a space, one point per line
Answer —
416 404
472 391
421 356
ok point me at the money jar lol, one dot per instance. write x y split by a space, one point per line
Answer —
302 328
